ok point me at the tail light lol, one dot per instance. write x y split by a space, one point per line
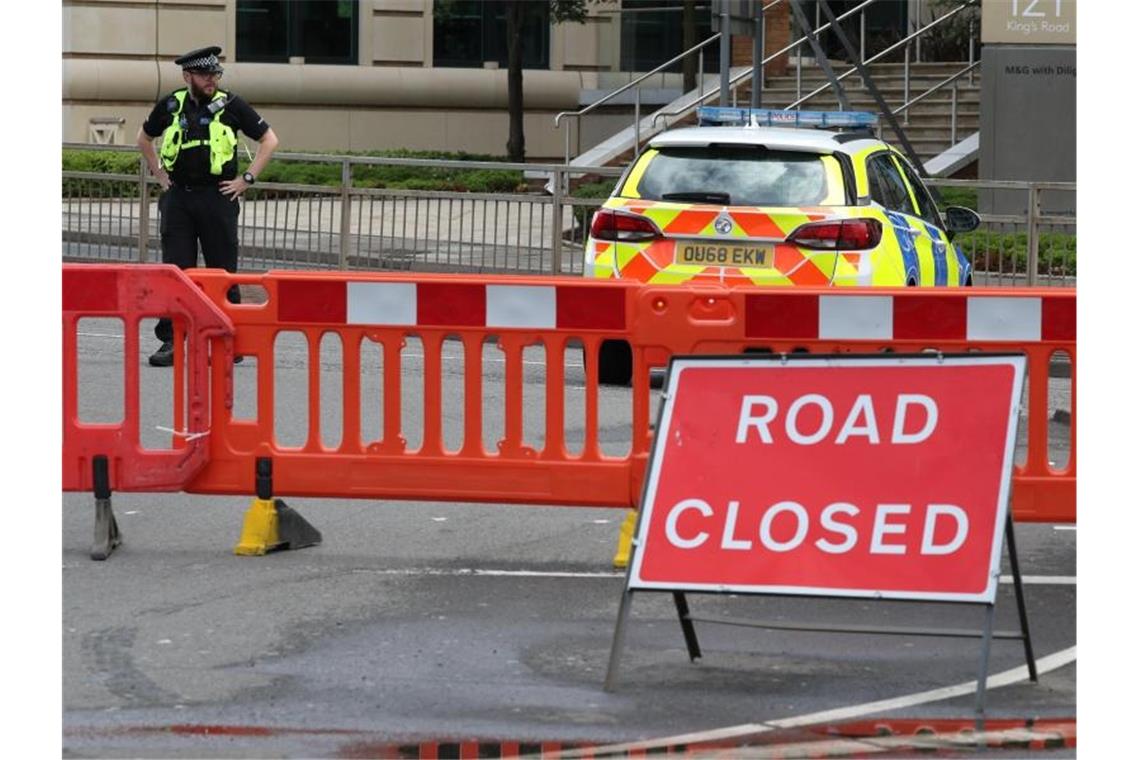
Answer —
610 224
841 234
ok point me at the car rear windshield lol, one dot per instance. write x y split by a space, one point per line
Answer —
749 176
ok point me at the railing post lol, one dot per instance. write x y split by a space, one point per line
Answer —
636 122
971 52
144 212
862 35
345 210
700 75
954 114
556 221
758 57
918 25
906 83
799 71
1033 212
566 156
725 53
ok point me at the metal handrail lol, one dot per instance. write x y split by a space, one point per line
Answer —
734 81
953 79
582 112
935 88
635 83
904 41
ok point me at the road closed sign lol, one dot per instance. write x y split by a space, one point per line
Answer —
884 476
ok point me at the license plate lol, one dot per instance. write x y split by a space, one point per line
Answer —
724 254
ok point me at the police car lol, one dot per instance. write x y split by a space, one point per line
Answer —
773 198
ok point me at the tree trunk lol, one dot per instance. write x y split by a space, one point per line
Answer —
688 39
516 141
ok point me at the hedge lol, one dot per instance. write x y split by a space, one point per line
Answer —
1009 251
301 173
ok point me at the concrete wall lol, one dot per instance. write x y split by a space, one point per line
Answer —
118 60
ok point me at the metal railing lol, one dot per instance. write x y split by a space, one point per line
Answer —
950 81
636 86
734 81
905 42
114 217
1031 248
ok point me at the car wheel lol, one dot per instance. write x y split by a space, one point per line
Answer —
615 363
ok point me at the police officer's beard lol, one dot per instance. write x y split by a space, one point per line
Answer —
199 94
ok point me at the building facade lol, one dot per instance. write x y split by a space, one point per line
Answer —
352 75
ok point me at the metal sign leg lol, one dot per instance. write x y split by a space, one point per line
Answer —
619 640
983 670
1022 614
687 627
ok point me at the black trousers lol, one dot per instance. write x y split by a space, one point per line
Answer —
189 215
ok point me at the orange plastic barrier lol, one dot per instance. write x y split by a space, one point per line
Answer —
131 293
561 314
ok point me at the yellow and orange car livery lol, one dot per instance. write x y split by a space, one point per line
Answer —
775 206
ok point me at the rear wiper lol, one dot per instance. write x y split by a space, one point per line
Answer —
699 195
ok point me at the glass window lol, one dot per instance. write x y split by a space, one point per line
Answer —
321 31
887 185
926 208
652 33
740 176
468 33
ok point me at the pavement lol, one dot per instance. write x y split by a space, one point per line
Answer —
432 629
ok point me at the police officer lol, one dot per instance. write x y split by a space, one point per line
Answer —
198 171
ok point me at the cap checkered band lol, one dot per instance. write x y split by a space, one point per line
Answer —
209 62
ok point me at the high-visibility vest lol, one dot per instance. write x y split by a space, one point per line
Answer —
222 140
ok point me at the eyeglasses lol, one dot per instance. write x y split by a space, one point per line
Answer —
209 75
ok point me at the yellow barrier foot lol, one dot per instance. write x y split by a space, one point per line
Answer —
270 525
625 539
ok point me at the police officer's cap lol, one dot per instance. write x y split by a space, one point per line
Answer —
204 60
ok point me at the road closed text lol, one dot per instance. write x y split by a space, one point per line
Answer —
785 526
812 418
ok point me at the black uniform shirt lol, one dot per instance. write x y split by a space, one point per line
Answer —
193 164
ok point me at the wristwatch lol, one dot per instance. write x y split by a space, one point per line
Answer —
249 178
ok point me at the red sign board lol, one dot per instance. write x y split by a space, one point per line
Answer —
840 476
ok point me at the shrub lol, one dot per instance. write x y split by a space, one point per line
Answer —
1009 251
322 174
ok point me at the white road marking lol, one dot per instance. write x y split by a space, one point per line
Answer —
1064 527
1014 675
473 572
1028 580
1043 580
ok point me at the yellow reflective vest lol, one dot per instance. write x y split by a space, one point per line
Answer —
222 140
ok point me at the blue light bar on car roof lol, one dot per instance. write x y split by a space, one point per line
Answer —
770 117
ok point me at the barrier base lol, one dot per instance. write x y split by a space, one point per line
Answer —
271 525
107 535
625 539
